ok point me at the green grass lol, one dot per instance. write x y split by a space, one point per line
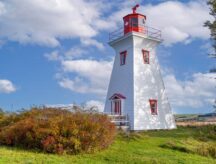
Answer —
145 147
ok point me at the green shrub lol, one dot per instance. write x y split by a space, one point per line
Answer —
57 131
202 133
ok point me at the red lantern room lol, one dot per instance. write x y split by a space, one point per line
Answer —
134 22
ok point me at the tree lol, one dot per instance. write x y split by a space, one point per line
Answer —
1 110
212 27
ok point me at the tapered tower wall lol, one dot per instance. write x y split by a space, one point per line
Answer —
121 80
148 84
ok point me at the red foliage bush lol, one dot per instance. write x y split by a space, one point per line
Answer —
57 131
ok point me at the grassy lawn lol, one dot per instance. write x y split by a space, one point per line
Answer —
145 147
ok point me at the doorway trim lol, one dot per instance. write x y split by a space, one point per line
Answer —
117 103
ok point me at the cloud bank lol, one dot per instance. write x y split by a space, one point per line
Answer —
44 22
90 76
51 21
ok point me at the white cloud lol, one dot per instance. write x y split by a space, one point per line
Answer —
179 21
194 93
95 103
91 104
77 85
2 8
207 48
6 86
92 42
172 35
49 21
62 106
53 56
44 22
75 52
91 76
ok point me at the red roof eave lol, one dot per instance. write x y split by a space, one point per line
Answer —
117 95
136 14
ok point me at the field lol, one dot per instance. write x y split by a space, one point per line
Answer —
183 145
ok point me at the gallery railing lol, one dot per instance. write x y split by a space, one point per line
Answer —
144 30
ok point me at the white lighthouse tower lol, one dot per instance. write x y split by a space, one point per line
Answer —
136 87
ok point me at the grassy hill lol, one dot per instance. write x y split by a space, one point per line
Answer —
183 145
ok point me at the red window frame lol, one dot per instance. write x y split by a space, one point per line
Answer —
153 106
123 56
146 58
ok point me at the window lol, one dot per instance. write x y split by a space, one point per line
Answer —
123 57
153 106
134 22
145 56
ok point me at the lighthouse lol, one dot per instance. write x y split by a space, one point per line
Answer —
136 87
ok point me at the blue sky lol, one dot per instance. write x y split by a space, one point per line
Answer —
56 52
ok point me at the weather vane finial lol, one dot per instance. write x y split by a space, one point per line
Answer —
134 8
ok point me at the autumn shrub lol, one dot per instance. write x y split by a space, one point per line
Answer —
1 116
207 132
57 131
1 113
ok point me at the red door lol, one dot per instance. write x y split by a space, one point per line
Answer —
117 107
